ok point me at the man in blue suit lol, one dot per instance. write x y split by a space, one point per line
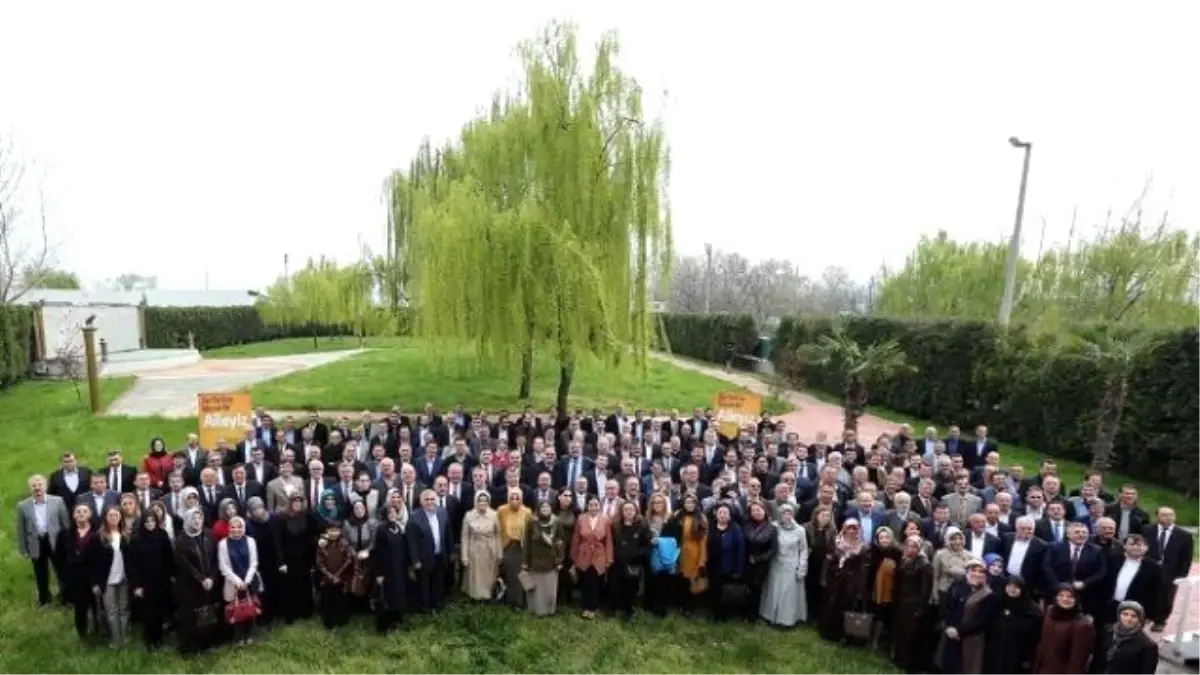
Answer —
429 467
430 545
1078 563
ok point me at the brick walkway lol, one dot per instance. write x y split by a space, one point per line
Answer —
812 415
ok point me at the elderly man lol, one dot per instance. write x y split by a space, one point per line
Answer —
40 518
901 514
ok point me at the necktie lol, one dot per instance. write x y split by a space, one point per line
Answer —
1074 556
1162 542
316 496
212 499
116 481
175 503
241 494
441 502
574 471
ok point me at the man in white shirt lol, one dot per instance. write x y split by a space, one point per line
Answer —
40 518
1023 552
1136 578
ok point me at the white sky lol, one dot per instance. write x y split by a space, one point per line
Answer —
175 142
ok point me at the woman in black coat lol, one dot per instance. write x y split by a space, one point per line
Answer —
295 535
197 584
74 546
1012 638
760 548
1125 648
150 566
389 565
259 528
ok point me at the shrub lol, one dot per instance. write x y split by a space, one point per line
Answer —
16 343
168 327
704 336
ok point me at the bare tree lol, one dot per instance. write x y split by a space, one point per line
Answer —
130 281
766 289
24 257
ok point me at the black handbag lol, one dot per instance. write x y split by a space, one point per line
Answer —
735 594
207 616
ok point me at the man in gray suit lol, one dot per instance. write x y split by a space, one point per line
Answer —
281 489
962 503
40 518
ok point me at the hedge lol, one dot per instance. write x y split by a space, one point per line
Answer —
168 327
16 343
704 336
970 373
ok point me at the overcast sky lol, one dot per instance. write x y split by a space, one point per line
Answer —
179 143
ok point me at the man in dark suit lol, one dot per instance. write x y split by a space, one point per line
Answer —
977 450
1173 548
977 539
70 480
196 458
1135 577
120 476
429 466
209 494
1023 554
933 529
99 498
240 490
430 545
315 484
1078 563
1129 517
573 466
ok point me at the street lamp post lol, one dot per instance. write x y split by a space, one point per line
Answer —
1014 245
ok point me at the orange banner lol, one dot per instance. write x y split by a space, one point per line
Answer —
735 410
223 416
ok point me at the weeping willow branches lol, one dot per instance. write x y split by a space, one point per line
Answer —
535 232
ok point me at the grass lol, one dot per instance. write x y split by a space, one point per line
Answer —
43 419
406 373
1150 496
291 346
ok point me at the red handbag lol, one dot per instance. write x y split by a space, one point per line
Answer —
243 609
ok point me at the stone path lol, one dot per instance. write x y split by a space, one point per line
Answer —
172 392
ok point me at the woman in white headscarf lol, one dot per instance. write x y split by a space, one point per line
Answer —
949 564
481 551
783 598
196 575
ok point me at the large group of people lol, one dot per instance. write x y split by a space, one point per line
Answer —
927 548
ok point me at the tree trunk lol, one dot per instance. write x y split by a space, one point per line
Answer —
566 372
1112 407
526 372
854 401
315 345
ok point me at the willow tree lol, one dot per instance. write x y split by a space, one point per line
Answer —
322 293
555 210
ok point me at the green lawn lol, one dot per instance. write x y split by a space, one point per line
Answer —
43 419
289 346
1151 496
407 373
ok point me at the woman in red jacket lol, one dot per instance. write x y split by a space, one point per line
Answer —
158 464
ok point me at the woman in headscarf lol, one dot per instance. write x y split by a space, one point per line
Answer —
190 499
237 558
359 532
513 518
150 565
564 510
195 580
293 532
760 549
226 511
389 565
881 575
783 602
726 559
1068 635
543 549
1012 638
1125 648
821 533
481 550
996 576
911 616
949 564
260 528
335 568
689 527
631 546
847 586
970 607
327 511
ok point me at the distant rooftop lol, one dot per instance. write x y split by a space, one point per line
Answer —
155 298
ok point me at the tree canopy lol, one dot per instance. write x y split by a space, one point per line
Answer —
325 292
49 277
1130 272
536 230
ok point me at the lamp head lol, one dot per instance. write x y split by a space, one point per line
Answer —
1015 142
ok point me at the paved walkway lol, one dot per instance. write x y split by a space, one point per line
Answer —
172 392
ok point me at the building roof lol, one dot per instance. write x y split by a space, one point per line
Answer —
154 298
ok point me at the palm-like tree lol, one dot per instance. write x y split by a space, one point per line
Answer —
857 367
1114 355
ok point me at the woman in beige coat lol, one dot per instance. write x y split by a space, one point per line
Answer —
480 549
